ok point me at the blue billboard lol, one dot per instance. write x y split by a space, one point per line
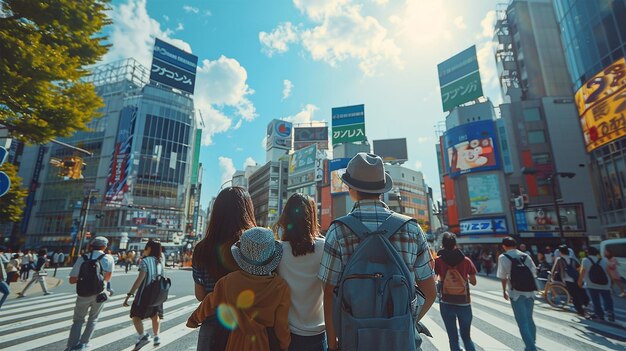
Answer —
490 225
173 67
471 148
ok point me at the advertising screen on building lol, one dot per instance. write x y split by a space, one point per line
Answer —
490 225
543 219
391 149
484 194
601 104
118 183
305 136
279 135
459 79
304 166
337 168
348 124
173 67
471 148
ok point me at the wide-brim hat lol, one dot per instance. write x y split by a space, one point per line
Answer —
366 173
257 252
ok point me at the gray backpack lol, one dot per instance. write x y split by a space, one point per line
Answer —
372 302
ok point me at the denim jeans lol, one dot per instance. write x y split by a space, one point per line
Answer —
308 343
523 312
84 306
450 314
607 300
4 290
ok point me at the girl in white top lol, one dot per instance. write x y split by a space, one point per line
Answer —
302 255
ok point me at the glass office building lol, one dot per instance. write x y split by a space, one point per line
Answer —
594 36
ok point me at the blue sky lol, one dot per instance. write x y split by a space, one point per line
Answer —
263 59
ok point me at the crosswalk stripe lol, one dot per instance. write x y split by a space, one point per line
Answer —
29 307
174 334
561 328
437 331
486 341
63 334
63 315
17 302
117 335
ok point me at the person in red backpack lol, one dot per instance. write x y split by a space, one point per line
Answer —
455 271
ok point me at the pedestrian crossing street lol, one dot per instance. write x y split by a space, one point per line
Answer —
43 323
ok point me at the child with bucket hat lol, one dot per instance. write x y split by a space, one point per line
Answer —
253 303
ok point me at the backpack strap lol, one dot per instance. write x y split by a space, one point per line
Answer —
392 224
509 257
356 226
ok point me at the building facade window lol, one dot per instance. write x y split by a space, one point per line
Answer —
536 137
532 114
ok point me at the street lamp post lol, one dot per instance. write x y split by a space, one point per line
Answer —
552 180
83 225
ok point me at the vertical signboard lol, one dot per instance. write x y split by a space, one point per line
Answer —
173 67
471 148
118 182
459 79
278 135
601 104
348 124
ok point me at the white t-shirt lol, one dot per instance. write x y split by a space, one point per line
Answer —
306 314
567 261
504 272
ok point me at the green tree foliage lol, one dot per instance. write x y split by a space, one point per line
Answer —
12 203
45 46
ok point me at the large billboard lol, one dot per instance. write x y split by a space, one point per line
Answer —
484 194
306 166
471 148
490 225
118 182
391 150
279 135
459 79
543 219
306 136
348 124
337 168
173 67
601 104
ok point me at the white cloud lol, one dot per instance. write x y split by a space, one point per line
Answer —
214 121
191 9
264 143
287 87
317 10
424 140
133 32
487 24
278 40
418 165
380 2
304 116
422 25
180 27
459 22
486 62
208 13
166 18
249 162
227 168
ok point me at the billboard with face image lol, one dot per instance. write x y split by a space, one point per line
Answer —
471 148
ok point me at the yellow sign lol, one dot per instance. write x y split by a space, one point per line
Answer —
601 103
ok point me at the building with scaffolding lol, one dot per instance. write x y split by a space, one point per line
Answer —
143 177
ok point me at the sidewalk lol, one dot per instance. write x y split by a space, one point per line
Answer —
16 287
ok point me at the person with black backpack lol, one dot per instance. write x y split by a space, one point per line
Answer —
91 273
517 272
595 277
148 294
566 269
369 249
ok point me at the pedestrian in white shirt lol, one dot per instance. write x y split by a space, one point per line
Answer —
302 253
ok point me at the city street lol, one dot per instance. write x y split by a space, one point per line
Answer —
42 323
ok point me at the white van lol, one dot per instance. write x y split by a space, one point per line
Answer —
618 248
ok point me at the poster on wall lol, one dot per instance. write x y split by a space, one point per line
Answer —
484 194
543 219
471 148
337 168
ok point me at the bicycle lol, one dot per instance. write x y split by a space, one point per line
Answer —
555 293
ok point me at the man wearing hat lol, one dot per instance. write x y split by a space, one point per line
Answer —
89 305
367 180
254 298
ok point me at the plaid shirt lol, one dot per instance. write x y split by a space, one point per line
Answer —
410 242
203 278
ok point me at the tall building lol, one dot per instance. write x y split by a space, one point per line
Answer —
593 37
138 181
540 129
268 188
409 195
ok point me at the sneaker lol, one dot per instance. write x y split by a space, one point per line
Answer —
19 294
595 317
610 317
157 341
145 340
48 293
622 294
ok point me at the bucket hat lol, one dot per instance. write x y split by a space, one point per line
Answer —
257 252
366 173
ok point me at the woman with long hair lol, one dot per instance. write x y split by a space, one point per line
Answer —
232 214
302 254
616 279
149 268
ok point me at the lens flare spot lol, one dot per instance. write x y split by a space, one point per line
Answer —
289 226
245 299
227 316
